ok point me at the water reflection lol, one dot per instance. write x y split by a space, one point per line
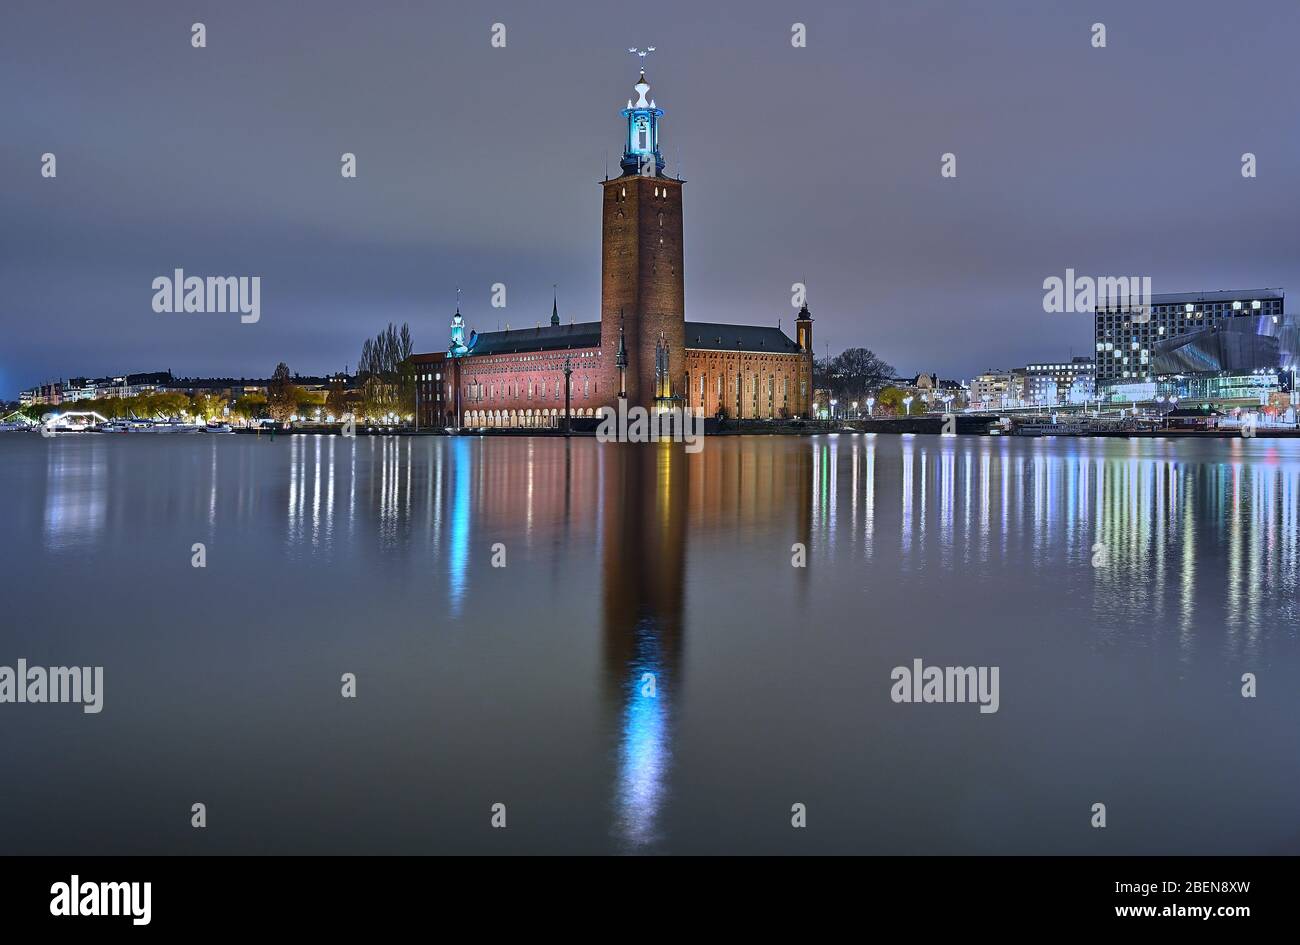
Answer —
458 545
75 496
643 560
1168 518
653 498
1192 545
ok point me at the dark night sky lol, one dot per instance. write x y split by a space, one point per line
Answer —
479 165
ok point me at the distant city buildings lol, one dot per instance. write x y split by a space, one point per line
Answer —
1218 349
931 392
75 389
1040 384
993 390
50 393
1053 383
126 385
56 393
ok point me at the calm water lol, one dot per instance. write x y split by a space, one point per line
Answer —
524 684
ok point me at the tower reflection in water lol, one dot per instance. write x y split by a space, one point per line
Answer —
644 561
653 495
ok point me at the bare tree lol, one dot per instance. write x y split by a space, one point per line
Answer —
385 373
859 372
851 374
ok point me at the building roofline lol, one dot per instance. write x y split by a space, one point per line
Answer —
1219 295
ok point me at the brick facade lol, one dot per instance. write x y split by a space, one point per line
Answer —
641 278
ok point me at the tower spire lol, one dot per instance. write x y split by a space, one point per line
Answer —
555 305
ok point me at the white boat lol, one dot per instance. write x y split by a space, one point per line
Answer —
219 428
64 425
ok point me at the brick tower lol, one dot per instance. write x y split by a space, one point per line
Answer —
641 264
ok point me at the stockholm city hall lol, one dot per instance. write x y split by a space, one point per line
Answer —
643 348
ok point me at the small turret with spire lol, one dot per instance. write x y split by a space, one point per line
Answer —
803 328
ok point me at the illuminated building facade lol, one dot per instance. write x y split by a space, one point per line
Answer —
1050 383
1232 348
642 348
1179 333
993 390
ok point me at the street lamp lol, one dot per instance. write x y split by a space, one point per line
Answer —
907 406
568 369
871 402
833 403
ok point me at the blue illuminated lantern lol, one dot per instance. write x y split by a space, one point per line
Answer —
458 347
641 154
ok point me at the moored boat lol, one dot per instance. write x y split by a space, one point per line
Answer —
169 426
1051 429
137 425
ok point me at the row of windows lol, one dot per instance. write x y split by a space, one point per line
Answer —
660 191
1192 311
1189 307
583 387
1180 320
1136 330
753 380
1144 356
520 358
749 384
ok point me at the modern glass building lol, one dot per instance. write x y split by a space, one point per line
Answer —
1129 339
1212 347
